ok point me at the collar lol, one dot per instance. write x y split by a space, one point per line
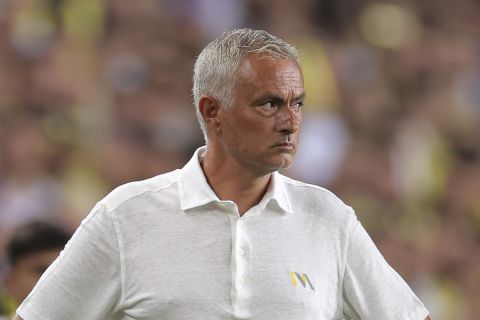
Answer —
194 188
196 192
276 194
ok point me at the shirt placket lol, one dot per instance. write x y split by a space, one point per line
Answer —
240 265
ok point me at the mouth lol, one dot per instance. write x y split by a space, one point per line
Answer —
284 145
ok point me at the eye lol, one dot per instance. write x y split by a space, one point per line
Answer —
297 105
268 108
268 105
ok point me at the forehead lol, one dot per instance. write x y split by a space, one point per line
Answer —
260 72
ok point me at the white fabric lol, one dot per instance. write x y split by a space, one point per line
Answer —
168 248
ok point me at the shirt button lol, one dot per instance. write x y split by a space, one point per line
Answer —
242 251
242 281
240 223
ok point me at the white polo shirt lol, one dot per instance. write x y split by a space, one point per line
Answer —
168 248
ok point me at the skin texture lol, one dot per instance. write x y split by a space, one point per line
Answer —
257 134
23 276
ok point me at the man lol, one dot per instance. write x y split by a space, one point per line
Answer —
227 236
31 249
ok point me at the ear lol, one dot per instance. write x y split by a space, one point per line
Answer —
209 109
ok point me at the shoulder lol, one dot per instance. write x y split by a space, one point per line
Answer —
311 192
140 190
316 200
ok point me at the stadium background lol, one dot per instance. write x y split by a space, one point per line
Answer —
97 93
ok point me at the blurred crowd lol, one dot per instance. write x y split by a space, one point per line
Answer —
96 93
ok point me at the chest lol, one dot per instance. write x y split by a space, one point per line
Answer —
227 269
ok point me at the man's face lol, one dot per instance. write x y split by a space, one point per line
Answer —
25 273
260 130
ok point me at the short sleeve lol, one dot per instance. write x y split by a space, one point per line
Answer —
85 280
371 288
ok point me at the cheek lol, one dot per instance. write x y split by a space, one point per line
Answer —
298 122
245 131
298 118
23 283
29 279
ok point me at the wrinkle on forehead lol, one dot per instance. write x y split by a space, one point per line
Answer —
263 73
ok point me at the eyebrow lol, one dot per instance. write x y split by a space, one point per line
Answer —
300 97
275 97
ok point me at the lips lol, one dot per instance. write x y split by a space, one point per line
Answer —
286 145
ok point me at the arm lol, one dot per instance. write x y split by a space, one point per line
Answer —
17 317
368 278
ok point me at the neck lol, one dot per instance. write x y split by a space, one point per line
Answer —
232 181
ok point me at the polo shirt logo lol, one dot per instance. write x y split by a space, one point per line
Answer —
303 278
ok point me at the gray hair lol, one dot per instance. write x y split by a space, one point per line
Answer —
216 67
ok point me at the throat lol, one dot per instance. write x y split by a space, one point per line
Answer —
246 191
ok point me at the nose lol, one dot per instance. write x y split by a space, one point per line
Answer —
288 120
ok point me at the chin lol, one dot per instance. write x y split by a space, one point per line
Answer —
284 163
